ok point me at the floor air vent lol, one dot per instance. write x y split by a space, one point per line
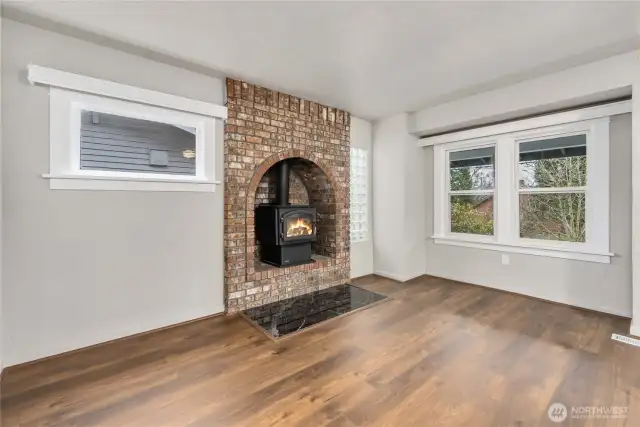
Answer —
626 340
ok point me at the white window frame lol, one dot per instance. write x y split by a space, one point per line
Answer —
70 94
507 137
464 146
366 198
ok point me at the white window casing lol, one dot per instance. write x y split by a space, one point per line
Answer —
70 94
450 193
506 216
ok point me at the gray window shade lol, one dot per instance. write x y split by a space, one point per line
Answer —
474 157
115 143
565 146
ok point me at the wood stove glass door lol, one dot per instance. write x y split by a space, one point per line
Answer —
297 225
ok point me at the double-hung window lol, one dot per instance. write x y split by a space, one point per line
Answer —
471 188
538 186
552 188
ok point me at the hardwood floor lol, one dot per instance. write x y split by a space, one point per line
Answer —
440 354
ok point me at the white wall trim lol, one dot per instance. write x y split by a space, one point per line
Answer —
75 182
583 114
635 197
604 258
506 192
62 79
65 172
519 292
398 277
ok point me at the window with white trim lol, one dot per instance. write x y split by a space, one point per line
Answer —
358 195
527 188
108 136
471 190
552 186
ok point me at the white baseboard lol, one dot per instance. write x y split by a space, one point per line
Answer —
542 297
397 277
635 329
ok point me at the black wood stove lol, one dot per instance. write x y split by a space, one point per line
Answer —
285 231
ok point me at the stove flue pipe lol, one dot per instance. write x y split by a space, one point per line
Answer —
282 184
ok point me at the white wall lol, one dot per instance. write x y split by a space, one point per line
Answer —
1 317
413 248
597 81
398 200
596 286
635 325
83 267
362 252
600 80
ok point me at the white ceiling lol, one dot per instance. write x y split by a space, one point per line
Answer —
373 59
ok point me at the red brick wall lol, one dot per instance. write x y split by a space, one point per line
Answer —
263 128
266 192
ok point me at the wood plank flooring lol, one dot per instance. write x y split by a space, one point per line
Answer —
440 354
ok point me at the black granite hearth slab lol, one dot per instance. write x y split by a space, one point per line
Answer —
294 314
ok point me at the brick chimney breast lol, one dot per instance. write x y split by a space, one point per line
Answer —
264 127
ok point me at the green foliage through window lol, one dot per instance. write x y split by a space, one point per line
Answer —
472 214
554 216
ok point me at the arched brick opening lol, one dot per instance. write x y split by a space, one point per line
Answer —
312 183
263 128
321 196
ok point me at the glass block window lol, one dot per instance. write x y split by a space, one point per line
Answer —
359 191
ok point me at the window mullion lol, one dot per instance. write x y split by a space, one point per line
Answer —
505 190
440 191
597 192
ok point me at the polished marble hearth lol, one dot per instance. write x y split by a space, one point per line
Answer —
291 315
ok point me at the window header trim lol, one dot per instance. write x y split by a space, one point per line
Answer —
590 113
62 79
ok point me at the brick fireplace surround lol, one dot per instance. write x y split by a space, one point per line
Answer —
263 128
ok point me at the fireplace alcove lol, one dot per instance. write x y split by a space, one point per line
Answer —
263 128
294 194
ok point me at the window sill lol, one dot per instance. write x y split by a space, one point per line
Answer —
537 250
117 183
